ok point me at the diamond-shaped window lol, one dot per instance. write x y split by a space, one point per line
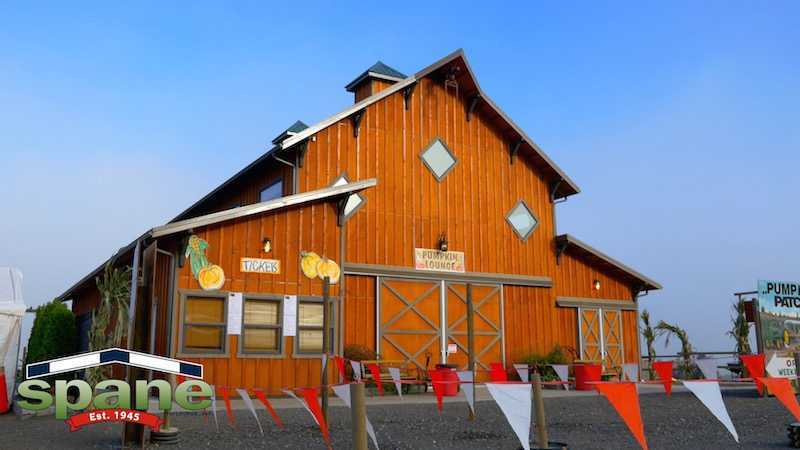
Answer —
354 201
439 159
522 220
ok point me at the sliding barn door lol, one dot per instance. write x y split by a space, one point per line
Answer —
487 307
601 336
410 320
612 338
591 339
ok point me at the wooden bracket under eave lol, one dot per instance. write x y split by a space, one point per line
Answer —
340 211
560 248
302 148
408 91
473 102
355 119
514 149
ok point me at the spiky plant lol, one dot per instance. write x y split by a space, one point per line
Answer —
666 329
114 287
649 339
740 329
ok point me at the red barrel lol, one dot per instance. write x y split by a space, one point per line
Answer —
450 378
3 392
585 373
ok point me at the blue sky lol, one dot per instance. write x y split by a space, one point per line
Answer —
678 121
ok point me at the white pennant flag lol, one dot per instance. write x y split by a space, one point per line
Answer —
631 372
356 370
466 376
522 371
562 370
249 403
343 392
214 405
708 366
394 372
292 394
515 402
324 362
708 393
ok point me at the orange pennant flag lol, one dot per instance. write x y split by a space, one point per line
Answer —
376 376
782 390
225 396
755 367
259 393
624 398
664 371
340 365
497 373
437 376
310 395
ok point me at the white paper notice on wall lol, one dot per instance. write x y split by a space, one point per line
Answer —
235 313
289 315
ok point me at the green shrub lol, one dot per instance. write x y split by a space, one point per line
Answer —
359 353
54 333
556 355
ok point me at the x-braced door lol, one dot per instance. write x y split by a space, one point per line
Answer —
487 324
410 317
601 336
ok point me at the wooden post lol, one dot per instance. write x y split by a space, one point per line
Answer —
542 440
471 343
796 372
326 285
358 416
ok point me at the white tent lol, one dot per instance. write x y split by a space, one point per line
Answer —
12 309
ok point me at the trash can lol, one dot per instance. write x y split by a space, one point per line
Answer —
586 372
450 378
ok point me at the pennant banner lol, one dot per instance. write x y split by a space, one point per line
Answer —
708 366
664 371
339 361
214 405
263 399
249 403
755 368
709 395
394 372
343 392
292 394
226 397
324 362
437 376
562 371
310 395
376 376
515 402
356 370
466 376
782 389
522 371
624 398
631 371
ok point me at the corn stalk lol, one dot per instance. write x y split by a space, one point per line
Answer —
666 329
114 287
740 329
649 339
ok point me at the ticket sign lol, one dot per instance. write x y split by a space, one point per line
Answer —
779 314
430 259
258 265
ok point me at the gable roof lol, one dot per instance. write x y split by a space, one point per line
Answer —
328 193
589 252
563 185
378 70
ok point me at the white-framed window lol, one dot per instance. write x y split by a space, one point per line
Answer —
204 324
262 329
438 159
354 201
522 220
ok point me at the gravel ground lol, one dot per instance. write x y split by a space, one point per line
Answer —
583 422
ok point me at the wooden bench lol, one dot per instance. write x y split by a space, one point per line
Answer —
408 373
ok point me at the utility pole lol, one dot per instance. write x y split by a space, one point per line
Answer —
326 286
471 343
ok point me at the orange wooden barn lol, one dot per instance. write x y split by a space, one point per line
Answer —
418 189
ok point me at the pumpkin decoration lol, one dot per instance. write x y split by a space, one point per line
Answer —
308 263
210 276
328 268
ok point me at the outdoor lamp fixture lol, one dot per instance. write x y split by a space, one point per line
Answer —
596 285
442 244
267 245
